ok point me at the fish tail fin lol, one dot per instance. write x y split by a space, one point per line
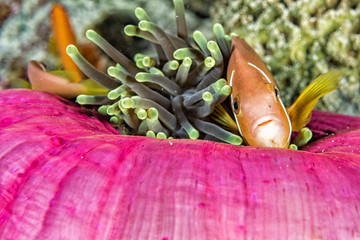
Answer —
64 36
221 116
300 110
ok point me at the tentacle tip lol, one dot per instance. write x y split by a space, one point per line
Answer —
127 103
71 49
103 109
196 33
161 135
187 61
130 30
152 113
114 120
174 65
144 25
81 99
307 133
90 34
303 137
139 12
194 134
210 62
211 43
141 113
293 147
226 90
139 9
218 28
151 134
235 140
112 71
213 46
207 97
141 76
179 54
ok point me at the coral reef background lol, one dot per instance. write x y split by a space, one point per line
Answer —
298 40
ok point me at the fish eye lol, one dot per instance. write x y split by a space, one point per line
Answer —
235 105
276 91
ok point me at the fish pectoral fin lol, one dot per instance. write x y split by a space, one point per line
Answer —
69 75
60 82
91 87
221 116
300 111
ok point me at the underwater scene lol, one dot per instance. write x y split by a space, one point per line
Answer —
178 119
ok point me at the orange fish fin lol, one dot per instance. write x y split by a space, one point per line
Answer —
300 111
221 116
64 36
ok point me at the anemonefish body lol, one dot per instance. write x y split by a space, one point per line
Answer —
260 115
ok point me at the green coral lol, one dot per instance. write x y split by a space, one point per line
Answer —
299 40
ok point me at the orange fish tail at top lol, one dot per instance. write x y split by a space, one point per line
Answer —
64 36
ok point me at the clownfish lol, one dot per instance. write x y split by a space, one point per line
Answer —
260 115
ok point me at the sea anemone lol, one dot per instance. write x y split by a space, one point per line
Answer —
66 173
169 94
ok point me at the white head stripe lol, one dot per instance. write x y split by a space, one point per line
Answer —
232 100
231 78
262 72
288 118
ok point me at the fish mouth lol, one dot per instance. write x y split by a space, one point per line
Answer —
268 131
263 121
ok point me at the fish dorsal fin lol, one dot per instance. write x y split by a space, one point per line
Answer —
300 111
221 116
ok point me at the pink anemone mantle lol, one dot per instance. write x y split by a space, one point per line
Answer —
65 173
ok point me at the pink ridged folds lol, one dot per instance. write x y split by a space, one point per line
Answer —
65 173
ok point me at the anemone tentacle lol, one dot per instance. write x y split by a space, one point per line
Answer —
169 96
